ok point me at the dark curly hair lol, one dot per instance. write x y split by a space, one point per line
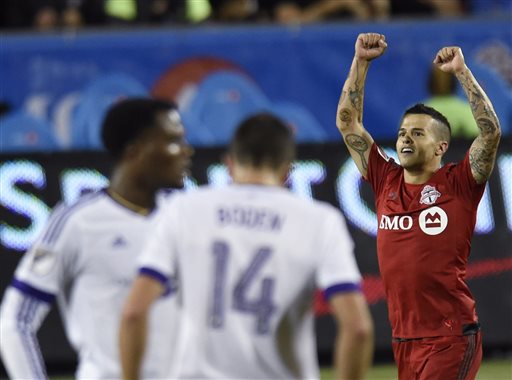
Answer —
127 119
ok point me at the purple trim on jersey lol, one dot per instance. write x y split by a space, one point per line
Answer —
163 279
341 288
25 317
62 214
154 274
31 291
123 206
59 210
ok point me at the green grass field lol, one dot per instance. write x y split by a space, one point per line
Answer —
490 370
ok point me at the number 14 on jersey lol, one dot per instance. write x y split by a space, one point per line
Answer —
261 307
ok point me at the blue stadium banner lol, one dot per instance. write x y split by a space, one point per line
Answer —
218 75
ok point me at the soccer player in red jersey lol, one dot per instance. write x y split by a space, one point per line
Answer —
426 217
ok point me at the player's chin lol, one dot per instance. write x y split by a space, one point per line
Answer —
406 162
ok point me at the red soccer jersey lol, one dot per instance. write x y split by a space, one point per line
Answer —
423 243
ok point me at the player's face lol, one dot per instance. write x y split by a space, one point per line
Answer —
166 154
416 143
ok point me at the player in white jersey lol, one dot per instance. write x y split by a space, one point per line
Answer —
86 255
249 258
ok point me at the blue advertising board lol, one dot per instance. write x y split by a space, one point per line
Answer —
218 75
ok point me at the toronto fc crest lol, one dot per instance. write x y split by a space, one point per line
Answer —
429 195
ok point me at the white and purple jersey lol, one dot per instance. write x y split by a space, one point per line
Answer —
85 259
249 259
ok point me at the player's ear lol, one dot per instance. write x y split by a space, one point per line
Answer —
135 149
442 147
286 171
130 151
228 161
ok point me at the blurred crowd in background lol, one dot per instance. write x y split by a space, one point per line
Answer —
47 15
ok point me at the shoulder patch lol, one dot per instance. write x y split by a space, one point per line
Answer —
42 261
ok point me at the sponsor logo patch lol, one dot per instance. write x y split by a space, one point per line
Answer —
119 242
433 220
42 262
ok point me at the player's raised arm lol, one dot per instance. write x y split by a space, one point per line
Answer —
349 118
482 154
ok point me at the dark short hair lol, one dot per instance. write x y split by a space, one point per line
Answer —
263 140
444 133
127 119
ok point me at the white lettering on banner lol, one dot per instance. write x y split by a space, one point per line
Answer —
23 181
396 222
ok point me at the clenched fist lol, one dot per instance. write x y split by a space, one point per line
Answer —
370 46
450 59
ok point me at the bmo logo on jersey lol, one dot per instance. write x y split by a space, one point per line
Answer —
433 220
397 222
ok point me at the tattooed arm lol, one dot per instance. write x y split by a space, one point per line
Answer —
349 118
482 154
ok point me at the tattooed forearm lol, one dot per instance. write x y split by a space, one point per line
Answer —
481 106
356 99
342 97
345 116
352 96
360 145
349 116
482 153
356 94
487 126
482 163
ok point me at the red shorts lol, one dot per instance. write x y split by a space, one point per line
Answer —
440 358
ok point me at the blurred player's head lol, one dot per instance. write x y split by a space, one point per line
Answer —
423 137
262 143
146 137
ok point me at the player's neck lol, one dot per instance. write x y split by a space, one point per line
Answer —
131 194
422 172
257 177
418 177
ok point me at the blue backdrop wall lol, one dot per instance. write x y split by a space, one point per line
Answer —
219 75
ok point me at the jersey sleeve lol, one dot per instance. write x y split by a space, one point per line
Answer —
379 165
157 257
37 280
462 180
337 271
48 263
21 316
